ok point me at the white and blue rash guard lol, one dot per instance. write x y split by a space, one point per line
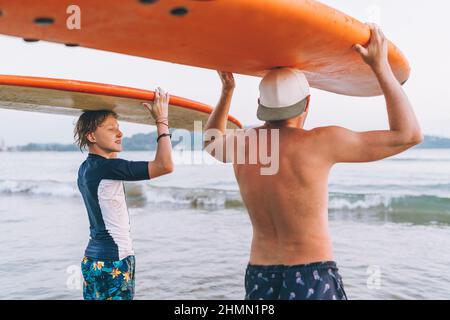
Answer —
100 183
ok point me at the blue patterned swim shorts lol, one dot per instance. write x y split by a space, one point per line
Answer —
315 281
108 280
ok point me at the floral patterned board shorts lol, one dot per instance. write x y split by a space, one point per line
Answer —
108 280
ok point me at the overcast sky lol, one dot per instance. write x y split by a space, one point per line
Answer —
418 28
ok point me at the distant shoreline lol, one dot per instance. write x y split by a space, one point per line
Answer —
147 142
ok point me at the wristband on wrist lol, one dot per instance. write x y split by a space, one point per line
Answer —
164 135
160 122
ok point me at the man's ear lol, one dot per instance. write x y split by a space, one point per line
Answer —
307 103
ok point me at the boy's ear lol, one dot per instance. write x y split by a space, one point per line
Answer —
90 137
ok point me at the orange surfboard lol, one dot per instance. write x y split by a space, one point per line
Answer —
242 36
71 97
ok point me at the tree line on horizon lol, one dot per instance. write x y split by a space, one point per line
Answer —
147 142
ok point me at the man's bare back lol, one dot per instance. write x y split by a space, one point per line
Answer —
289 210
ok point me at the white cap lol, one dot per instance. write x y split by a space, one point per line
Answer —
283 94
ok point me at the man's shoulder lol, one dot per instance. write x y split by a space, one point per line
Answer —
314 139
328 132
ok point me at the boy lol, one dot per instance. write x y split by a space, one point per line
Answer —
109 264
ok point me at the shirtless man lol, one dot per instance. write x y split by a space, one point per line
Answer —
291 251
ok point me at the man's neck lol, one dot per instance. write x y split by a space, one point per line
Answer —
285 124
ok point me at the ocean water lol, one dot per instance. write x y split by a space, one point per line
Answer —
390 223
